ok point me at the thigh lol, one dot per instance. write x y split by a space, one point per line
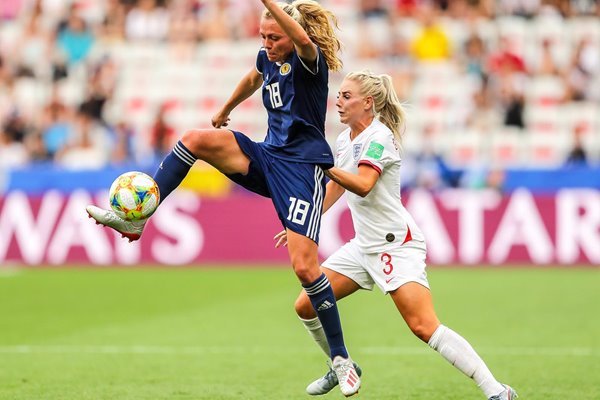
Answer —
219 148
341 284
297 190
254 179
348 261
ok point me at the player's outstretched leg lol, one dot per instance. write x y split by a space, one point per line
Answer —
348 378
168 176
508 394
327 382
458 352
131 230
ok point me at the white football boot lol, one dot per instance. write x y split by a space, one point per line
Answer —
348 378
507 394
131 230
327 382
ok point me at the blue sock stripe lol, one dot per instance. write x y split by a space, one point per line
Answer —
318 290
322 283
177 153
183 155
173 169
185 150
320 279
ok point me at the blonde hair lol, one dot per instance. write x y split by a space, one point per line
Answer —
320 24
386 105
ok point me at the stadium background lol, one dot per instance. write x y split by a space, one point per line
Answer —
501 168
501 150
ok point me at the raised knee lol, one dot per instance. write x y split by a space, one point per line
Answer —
199 141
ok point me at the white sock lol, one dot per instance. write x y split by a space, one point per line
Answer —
459 353
315 329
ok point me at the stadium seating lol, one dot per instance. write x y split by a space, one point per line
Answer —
150 76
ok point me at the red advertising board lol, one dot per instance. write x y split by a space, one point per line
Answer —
461 227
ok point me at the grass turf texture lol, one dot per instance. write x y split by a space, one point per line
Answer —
232 334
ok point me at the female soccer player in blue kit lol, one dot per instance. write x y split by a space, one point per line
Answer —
389 248
299 48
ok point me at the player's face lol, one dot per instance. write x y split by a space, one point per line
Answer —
274 40
351 104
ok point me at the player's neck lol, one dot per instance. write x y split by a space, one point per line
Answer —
359 126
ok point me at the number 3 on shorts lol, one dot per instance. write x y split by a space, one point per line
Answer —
298 210
386 259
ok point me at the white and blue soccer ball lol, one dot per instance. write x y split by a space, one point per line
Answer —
134 196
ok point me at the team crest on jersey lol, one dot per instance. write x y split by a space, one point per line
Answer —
356 150
285 69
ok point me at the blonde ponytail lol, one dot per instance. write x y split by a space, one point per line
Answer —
386 105
392 114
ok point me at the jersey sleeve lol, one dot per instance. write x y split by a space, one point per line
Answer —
260 60
321 65
379 151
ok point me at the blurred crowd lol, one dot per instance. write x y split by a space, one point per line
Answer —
45 43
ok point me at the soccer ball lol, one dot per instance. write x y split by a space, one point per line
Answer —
134 196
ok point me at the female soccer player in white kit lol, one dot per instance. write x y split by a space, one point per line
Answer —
388 249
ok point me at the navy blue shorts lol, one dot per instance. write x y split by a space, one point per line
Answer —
297 189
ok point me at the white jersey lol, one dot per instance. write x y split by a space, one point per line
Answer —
380 220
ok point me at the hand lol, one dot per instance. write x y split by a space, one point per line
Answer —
281 238
220 119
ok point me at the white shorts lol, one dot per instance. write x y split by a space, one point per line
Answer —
389 270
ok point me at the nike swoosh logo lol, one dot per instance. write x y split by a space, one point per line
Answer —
389 280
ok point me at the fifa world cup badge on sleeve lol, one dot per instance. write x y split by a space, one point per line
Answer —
375 150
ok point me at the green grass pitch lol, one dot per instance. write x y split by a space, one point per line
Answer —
231 333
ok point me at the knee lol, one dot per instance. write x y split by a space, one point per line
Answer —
304 308
422 328
304 269
306 273
197 141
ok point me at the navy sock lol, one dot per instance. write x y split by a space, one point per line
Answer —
173 169
323 301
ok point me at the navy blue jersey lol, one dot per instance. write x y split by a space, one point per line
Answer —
296 102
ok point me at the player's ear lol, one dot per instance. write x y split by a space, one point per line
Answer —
368 103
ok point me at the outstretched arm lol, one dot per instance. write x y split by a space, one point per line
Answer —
360 184
247 86
305 48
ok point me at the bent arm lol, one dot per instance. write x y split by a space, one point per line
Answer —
304 46
247 86
244 89
360 184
